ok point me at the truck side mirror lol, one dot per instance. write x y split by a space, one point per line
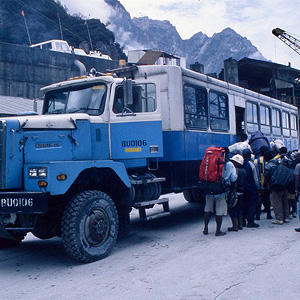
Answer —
127 86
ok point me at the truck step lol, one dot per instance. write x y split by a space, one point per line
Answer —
142 206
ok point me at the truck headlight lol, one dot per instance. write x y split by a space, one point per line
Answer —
38 172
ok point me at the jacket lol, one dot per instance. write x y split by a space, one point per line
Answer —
261 163
252 180
271 164
241 180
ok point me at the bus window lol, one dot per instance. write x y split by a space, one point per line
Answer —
276 122
195 107
265 123
285 124
219 114
252 117
294 126
144 99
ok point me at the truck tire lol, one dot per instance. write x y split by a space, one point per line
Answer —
89 226
19 237
193 196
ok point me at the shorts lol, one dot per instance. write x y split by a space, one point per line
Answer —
219 201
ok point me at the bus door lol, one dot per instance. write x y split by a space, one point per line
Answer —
239 122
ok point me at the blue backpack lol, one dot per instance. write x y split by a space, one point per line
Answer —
257 140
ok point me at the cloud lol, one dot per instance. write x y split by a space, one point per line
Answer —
89 9
253 19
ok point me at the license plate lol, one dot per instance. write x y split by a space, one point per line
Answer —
14 202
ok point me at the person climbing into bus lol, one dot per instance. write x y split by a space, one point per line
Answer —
219 200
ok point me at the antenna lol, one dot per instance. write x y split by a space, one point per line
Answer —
87 26
23 14
60 25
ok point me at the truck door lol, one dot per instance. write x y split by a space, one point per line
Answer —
135 125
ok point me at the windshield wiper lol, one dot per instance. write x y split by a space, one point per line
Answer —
84 109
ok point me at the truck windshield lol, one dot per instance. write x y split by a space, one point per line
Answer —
88 99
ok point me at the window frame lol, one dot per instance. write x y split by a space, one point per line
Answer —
280 121
200 88
260 119
120 86
286 131
252 122
296 125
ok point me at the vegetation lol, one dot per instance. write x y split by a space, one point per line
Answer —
42 18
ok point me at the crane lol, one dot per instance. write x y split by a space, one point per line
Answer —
288 39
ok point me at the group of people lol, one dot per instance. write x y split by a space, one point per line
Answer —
250 179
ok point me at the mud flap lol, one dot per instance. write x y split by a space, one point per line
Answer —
5 235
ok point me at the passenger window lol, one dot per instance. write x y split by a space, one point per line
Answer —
219 114
195 107
265 119
144 99
285 124
252 117
276 122
294 126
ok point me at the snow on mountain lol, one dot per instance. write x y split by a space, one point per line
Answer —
145 33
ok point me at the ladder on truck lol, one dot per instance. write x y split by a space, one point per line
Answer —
142 206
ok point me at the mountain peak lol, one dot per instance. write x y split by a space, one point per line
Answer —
146 33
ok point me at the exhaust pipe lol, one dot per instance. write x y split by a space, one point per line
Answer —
81 67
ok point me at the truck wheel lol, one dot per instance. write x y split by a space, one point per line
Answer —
19 237
89 226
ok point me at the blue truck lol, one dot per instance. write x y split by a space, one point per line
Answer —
107 143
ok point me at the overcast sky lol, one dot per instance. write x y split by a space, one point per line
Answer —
253 19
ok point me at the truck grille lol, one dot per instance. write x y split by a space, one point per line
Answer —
2 153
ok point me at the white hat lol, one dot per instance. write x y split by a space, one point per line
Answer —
238 158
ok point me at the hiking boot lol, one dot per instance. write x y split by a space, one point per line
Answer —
252 225
294 215
257 217
233 228
234 225
277 222
205 231
269 217
286 221
290 217
220 233
297 229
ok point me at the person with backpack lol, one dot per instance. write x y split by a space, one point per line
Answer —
276 179
236 212
297 189
252 188
265 192
224 173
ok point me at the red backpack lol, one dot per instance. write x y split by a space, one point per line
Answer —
211 169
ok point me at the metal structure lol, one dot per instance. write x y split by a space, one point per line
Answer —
288 39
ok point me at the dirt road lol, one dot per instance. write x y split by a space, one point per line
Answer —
167 258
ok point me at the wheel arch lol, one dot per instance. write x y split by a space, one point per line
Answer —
103 179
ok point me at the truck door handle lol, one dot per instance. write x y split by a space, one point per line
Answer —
13 145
